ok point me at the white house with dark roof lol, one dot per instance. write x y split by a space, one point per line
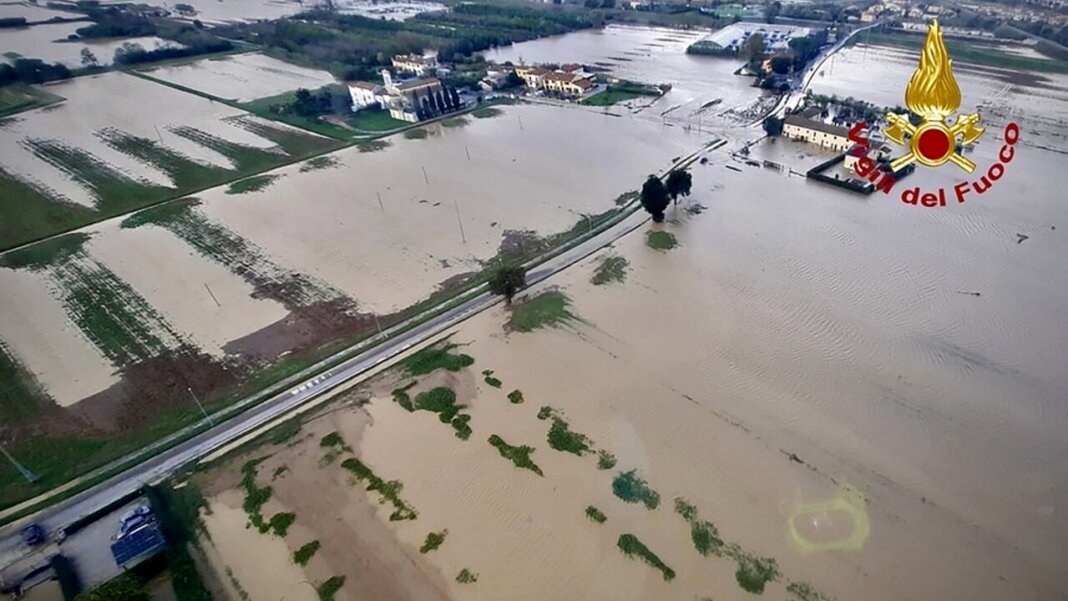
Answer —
823 134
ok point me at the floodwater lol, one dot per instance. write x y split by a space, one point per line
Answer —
31 12
704 88
243 77
394 11
49 43
230 11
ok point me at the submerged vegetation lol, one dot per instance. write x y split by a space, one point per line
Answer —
252 184
466 576
389 490
596 514
434 358
255 497
520 455
605 460
631 488
550 308
632 547
661 240
433 541
561 438
328 589
610 269
304 554
487 374
516 397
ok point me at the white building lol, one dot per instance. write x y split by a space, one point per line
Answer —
823 134
732 37
365 94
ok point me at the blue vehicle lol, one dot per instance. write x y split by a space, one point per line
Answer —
138 539
33 535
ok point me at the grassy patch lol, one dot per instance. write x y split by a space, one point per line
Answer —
515 397
255 497
454 122
705 536
331 439
328 589
442 400
466 576
19 97
321 162
389 490
596 514
754 572
39 213
20 398
265 108
605 460
487 375
632 547
550 308
252 184
370 120
610 97
486 112
632 488
433 541
610 269
434 358
561 438
520 456
304 554
402 398
419 133
661 240
280 523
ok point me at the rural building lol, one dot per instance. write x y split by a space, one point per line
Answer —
412 100
495 79
823 134
733 37
568 84
532 76
875 153
420 66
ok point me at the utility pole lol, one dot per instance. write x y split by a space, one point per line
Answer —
520 122
192 394
425 176
159 135
468 151
26 473
217 303
460 222
377 324
380 205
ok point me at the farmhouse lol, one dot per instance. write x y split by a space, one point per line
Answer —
420 66
823 134
412 100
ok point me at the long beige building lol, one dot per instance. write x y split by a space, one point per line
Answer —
823 134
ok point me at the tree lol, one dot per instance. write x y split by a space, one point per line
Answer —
89 59
654 197
773 126
506 281
772 11
753 48
781 64
678 184
455 97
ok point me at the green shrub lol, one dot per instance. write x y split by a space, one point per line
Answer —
466 576
492 381
610 269
754 572
435 358
304 554
545 412
520 456
516 397
125 587
401 397
661 240
685 509
328 589
433 541
632 547
631 488
390 491
605 460
596 514
332 439
561 438
804 592
280 523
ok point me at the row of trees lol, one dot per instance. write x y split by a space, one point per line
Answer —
657 194
32 70
438 102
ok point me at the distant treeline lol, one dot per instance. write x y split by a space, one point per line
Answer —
32 70
114 23
132 54
354 47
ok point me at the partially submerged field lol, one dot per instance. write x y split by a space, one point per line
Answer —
225 292
49 43
242 77
90 157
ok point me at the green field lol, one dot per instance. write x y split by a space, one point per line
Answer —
18 97
966 52
262 107
371 120
610 97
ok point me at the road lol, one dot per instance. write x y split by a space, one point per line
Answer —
185 453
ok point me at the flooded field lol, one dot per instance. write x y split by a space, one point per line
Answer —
808 398
242 77
244 275
31 12
49 43
228 11
704 88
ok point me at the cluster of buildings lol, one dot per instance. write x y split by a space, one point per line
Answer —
804 127
733 37
570 80
414 99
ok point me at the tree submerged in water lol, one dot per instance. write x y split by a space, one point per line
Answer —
507 281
